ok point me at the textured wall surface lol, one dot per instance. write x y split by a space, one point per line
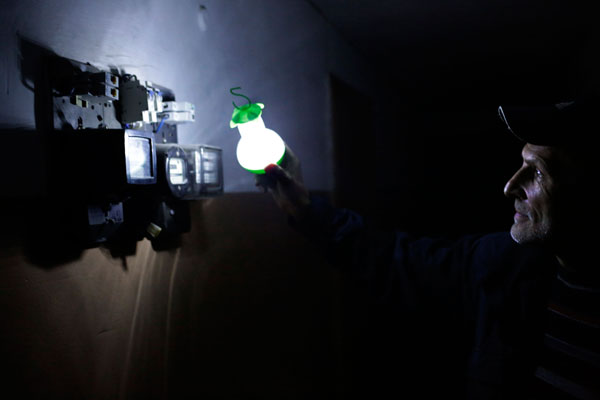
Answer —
244 309
280 52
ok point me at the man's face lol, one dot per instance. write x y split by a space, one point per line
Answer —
535 190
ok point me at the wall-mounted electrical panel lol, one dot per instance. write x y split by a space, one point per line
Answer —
116 158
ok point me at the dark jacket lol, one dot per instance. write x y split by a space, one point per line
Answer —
490 291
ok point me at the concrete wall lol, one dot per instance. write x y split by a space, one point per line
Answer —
245 308
280 52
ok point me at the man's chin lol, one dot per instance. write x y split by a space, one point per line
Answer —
516 234
523 234
520 233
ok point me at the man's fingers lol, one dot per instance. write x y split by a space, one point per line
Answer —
274 171
265 182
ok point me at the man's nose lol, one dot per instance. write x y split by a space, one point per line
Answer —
513 187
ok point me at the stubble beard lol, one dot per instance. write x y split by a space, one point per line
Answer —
531 233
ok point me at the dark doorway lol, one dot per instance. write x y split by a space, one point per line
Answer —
353 145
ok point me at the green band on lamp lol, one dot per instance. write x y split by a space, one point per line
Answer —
246 113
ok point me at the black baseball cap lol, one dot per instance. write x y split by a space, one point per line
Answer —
551 125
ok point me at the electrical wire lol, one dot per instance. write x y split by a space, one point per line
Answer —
129 76
162 121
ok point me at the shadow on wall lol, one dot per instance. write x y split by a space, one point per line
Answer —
41 208
57 174
245 308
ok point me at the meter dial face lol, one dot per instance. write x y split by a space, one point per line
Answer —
177 171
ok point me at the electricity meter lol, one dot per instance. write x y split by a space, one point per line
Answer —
190 171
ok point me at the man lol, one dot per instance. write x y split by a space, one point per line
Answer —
526 305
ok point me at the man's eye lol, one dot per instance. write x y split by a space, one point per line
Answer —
538 174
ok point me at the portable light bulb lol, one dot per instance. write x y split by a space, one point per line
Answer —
258 146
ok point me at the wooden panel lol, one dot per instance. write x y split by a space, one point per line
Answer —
245 308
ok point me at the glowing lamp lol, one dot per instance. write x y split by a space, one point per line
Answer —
258 145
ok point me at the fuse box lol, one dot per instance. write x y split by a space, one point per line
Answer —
115 135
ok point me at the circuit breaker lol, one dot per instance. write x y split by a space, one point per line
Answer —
116 136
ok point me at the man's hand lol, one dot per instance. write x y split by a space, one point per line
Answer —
286 185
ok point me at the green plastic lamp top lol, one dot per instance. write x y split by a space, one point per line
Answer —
246 113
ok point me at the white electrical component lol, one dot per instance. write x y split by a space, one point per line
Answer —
177 106
106 78
177 112
155 104
99 92
177 117
143 103
190 171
